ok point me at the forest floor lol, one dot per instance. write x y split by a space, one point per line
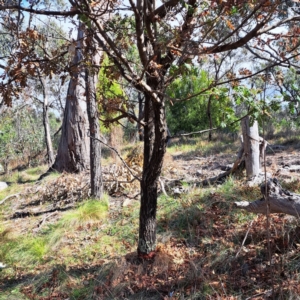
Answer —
53 246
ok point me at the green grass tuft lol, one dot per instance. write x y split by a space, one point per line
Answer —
92 210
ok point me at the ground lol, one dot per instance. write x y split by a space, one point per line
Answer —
55 248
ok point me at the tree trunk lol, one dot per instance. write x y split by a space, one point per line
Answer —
280 201
251 147
91 77
73 152
141 116
155 136
209 117
50 154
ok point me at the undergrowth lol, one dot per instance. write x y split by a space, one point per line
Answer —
206 249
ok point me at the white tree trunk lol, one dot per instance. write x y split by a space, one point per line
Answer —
251 147
50 154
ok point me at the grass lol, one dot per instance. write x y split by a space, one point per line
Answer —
90 211
20 253
28 175
206 248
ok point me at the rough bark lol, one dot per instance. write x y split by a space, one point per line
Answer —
73 151
251 147
155 136
279 200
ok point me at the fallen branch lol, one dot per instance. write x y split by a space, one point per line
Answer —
10 196
280 200
42 222
222 176
24 214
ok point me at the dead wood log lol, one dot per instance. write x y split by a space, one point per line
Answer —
280 200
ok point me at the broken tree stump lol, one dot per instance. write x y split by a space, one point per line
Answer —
280 200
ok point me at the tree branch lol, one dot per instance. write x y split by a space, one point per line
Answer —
118 154
71 13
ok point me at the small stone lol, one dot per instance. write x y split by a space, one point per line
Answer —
2 266
199 172
3 185
294 168
127 202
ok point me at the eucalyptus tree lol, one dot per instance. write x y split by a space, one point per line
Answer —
169 36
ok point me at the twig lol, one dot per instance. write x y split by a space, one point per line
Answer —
208 130
162 186
116 151
244 240
42 222
191 133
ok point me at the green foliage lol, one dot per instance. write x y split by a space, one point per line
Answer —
110 94
191 115
108 87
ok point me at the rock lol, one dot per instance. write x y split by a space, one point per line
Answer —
3 185
294 168
2 266
127 202
199 172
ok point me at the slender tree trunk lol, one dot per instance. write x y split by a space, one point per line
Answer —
141 116
251 147
91 77
209 117
50 154
155 137
73 153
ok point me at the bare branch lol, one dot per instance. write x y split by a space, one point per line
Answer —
118 154
65 13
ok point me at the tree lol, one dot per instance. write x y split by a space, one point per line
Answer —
20 140
92 110
168 37
213 109
251 147
73 152
50 154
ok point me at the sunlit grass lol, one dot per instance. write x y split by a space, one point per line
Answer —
203 221
202 147
23 251
92 210
10 190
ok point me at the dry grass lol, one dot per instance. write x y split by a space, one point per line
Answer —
206 248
